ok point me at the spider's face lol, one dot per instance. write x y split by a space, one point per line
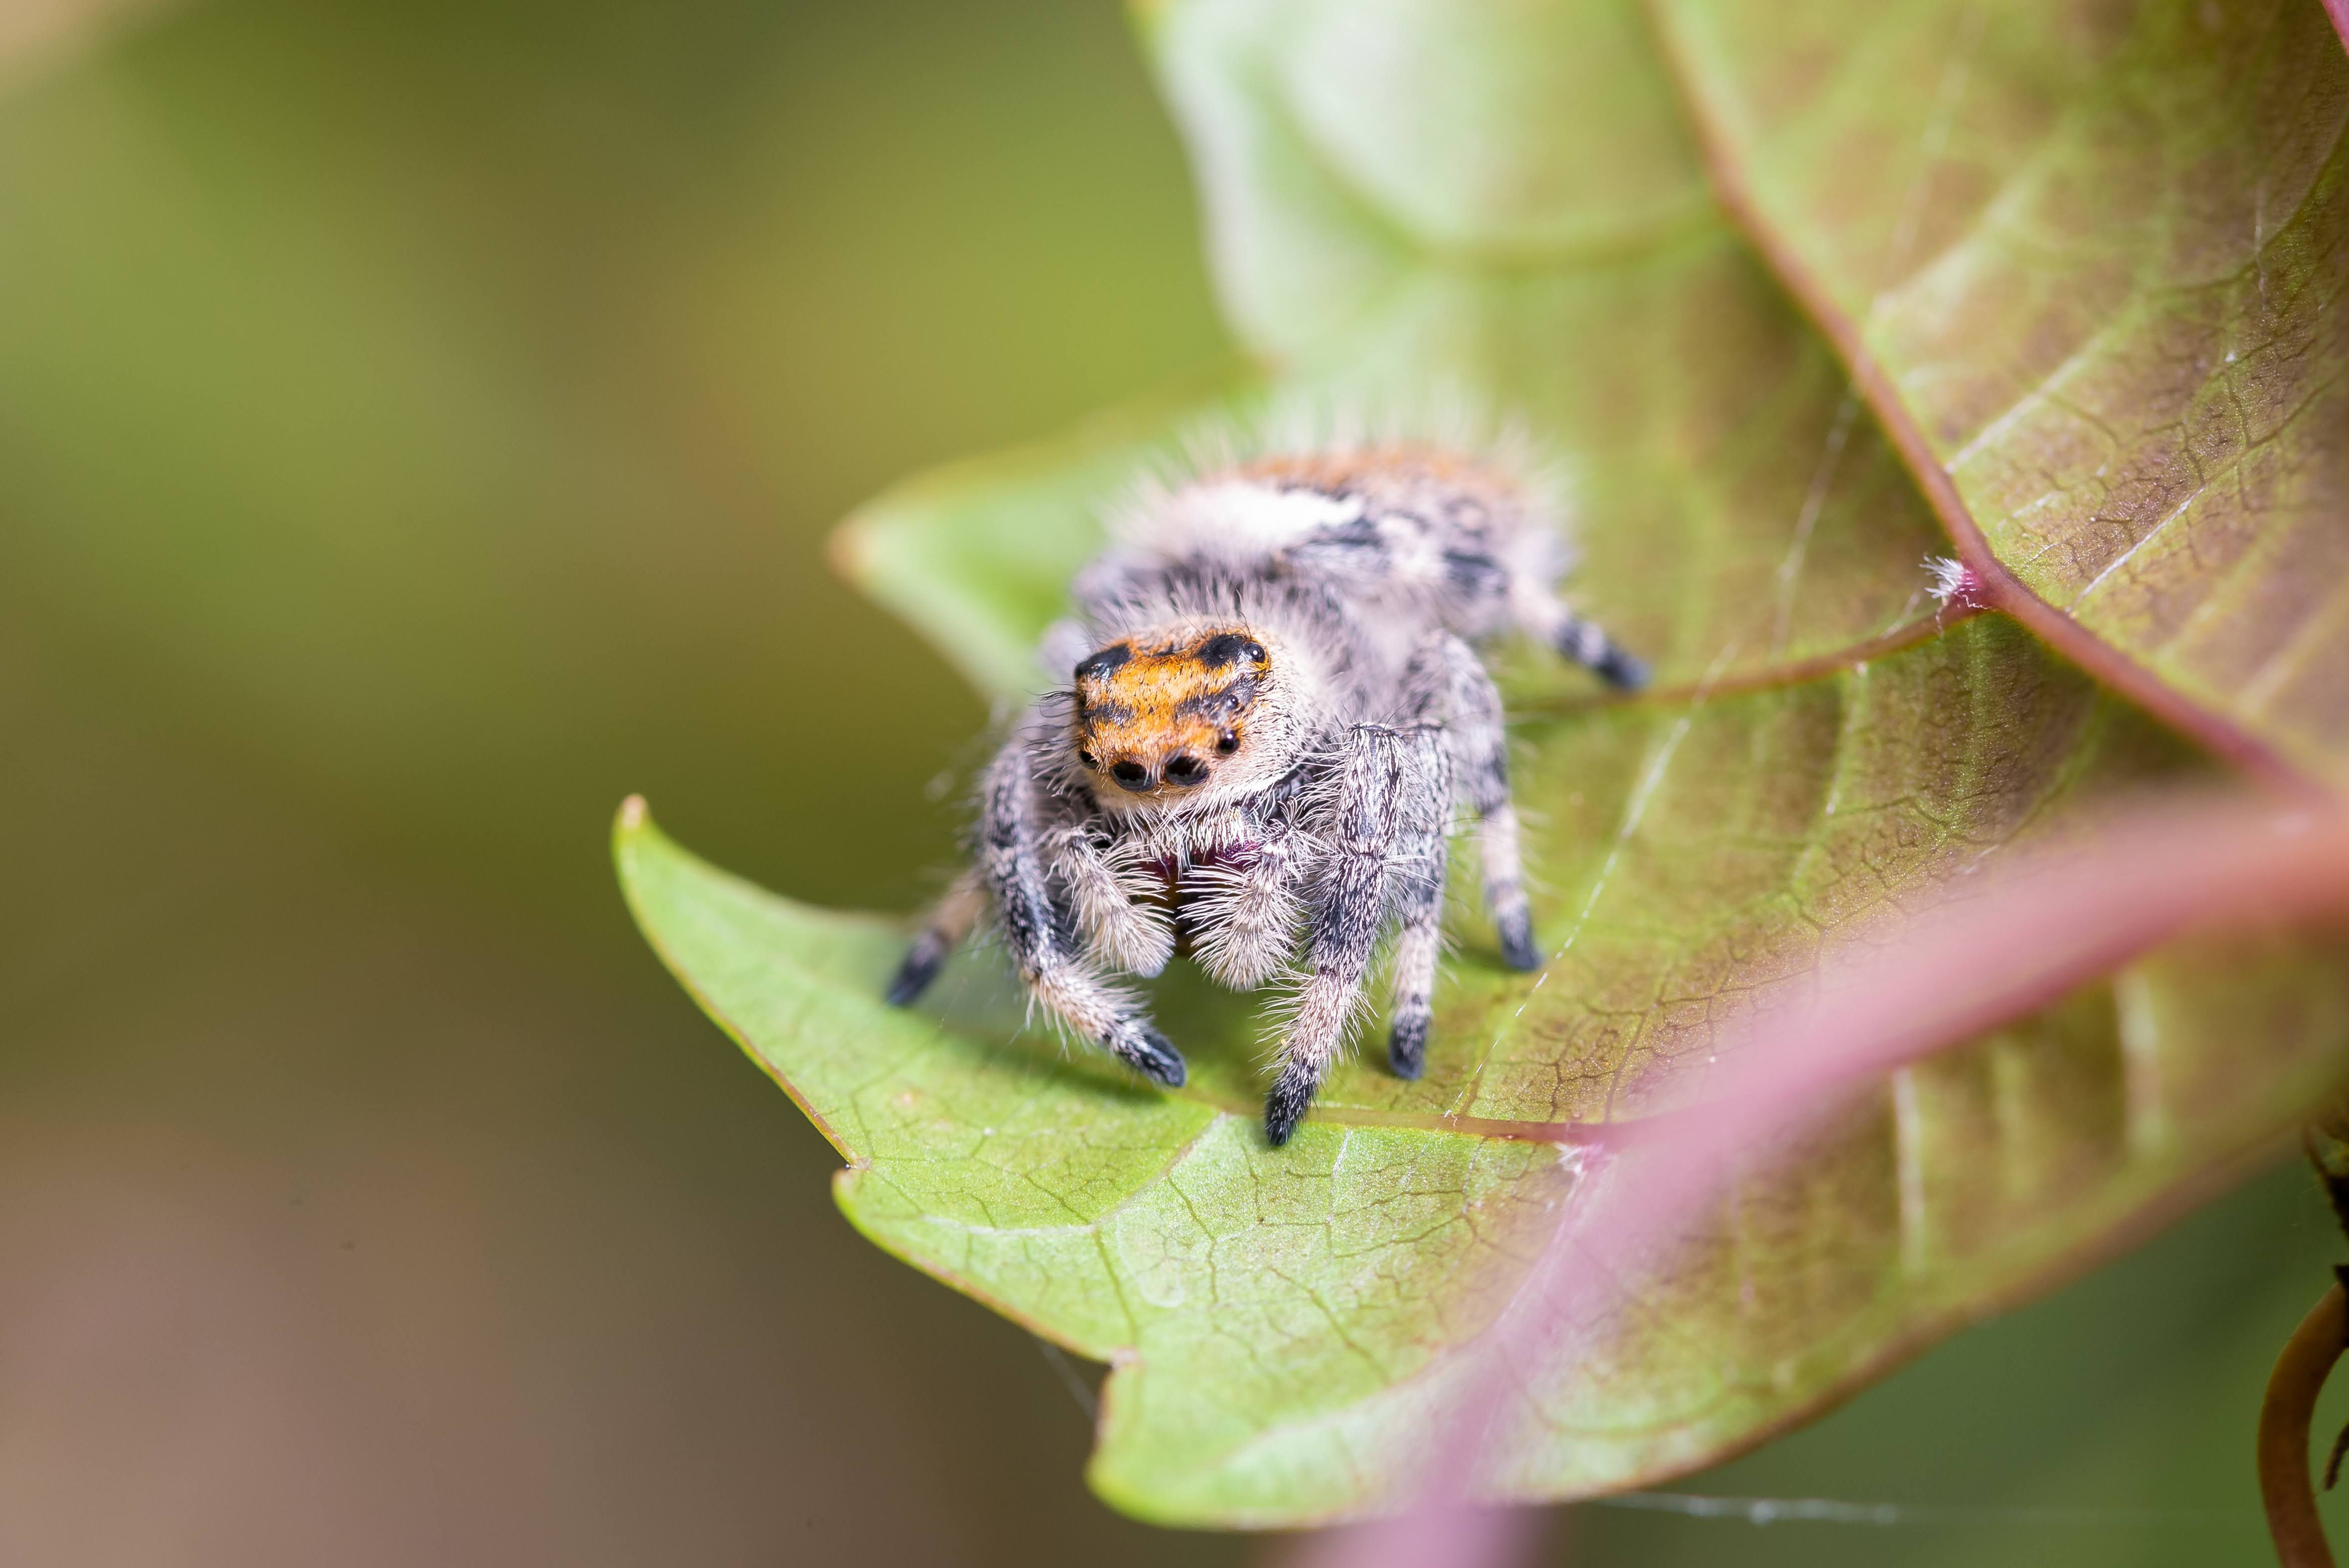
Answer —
1158 717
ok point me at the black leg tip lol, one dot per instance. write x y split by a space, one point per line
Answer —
1407 1048
914 976
1284 1108
1621 670
1156 1058
1517 949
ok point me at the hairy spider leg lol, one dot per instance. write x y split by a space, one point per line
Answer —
1449 684
1038 934
1384 777
1417 868
1247 912
950 921
1108 889
1588 644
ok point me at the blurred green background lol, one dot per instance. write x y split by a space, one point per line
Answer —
420 424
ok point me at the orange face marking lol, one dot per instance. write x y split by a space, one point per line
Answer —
1156 718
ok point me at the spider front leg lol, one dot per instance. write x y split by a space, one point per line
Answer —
1011 867
1391 784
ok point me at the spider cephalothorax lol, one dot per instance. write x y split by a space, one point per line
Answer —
1158 713
1275 713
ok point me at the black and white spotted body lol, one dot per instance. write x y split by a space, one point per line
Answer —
1277 714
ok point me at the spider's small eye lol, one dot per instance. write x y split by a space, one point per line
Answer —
1228 742
1087 757
1252 651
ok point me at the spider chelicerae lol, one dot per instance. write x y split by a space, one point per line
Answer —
1276 714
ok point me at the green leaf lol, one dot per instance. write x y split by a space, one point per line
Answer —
1281 1318
1503 198
2089 260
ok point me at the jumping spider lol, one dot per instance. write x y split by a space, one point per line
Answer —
1277 708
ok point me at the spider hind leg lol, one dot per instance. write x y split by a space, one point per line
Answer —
950 921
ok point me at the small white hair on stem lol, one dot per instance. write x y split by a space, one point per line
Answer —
1956 585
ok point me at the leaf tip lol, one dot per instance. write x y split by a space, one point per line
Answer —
848 551
633 816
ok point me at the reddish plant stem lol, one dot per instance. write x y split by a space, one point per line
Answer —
2299 1376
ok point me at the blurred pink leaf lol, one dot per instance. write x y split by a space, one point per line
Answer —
2024 933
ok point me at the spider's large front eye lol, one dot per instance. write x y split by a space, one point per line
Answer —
1133 775
1185 768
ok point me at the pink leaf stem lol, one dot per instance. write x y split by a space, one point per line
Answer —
2015 937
